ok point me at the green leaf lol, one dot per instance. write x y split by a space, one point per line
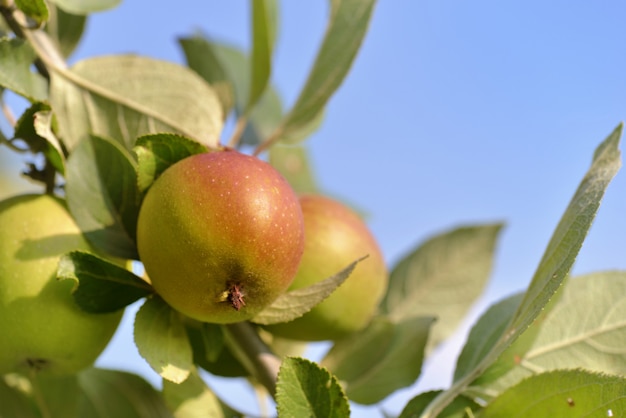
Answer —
102 286
568 337
562 393
304 389
485 334
35 128
65 29
82 7
16 57
57 396
110 393
210 351
457 409
443 277
570 232
34 9
264 118
202 58
124 97
555 263
263 37
347 26
102 195
156 152
162 341
237 66
53 151
293 163
384 357
295 303
16 397
193 399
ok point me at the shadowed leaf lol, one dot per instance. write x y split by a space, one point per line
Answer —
16 57
102 286
443 277
102 195
384 357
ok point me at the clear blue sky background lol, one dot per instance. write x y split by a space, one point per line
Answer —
454 113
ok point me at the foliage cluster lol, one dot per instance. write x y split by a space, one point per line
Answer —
109 126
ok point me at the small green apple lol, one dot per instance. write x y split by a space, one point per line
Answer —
220 236
335 236
42 327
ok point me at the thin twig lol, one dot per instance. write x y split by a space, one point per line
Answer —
254 354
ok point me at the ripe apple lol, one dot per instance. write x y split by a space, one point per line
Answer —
335 237
220 236
42 327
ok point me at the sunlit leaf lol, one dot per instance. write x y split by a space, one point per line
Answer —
82 7
562 393
346 29
202 58
125 96
16 57
443 277
103 197
304 389
593 338
193 399
570 232
555 263
295 303
162 341
263 35
384 357
102 286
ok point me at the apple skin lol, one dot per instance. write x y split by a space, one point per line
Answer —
335 237
42 327
220 235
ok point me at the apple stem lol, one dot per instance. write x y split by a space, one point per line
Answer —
253 353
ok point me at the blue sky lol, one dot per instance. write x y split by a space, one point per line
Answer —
454 113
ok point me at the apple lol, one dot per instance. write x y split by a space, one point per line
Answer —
42 327
220 235
335 237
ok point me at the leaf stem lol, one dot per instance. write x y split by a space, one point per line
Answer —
253 353
48 56
38 396
240 126
275 136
